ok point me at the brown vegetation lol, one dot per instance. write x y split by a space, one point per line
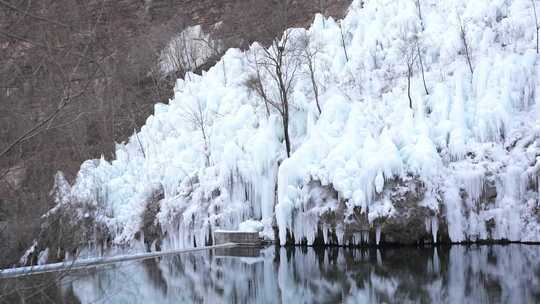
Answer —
78 76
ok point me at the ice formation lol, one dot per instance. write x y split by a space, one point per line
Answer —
472 145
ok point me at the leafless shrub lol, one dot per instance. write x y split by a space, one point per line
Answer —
280 62
308 52
199 118
410 57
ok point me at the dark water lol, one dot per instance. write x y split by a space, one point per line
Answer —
458 274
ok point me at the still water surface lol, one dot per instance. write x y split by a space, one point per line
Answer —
457 274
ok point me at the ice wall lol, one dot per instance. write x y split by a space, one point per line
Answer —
473 141
472 128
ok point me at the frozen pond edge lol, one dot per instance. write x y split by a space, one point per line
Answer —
95 262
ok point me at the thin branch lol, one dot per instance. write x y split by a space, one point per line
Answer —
463 36
63 103
26 13
419 7
420 61
343 41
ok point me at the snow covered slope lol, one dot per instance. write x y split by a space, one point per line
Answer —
462 164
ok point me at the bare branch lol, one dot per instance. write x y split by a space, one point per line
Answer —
309 53
463 36
343 41
280 63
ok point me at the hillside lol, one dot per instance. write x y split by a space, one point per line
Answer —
96 61
404 122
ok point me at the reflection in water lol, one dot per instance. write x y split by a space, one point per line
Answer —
459 274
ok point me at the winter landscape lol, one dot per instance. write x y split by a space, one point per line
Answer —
385 152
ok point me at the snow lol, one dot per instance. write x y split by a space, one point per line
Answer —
25 257
86 263
251 226
469 127
188 50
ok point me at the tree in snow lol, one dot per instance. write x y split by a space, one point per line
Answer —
417 43
342 35
308 52
255 83
409 52
410 57
198 117
419 8
280 62
464 40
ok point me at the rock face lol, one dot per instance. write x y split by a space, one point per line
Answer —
409 223
151 229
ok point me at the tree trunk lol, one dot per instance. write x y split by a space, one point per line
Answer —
314 84
284 101
422 68
287 139
409 75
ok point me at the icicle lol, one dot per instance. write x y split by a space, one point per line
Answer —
434 228
436 262
365 237
379 182
472 181
358 239
43 257
378 235
340 233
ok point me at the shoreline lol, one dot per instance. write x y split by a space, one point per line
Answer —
17 272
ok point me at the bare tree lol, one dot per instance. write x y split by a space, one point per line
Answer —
343 45
255 83
464 40
308 52
57 67
419 8
421 63
409 52
216 53
180 55
417 42
198 117
410 57
280 62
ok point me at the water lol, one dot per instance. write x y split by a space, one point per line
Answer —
457 274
